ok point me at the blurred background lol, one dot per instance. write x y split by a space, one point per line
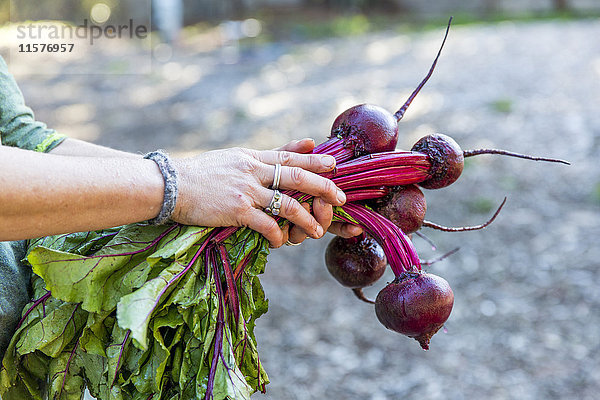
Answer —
518 75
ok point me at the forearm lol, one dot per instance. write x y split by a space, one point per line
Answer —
46 194
79 148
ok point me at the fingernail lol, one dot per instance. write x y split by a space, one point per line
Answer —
328 161
319 231
341 196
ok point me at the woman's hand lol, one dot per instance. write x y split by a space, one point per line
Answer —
322 211
230 188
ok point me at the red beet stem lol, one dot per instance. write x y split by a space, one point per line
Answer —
399 250
470 153
381 160
353 196
211 258
361 175
323 148
390 176
400 113
220 234
336 147
465 228
342 154
234 303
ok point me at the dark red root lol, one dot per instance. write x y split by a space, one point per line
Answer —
464 228
359 293
355 262
416 305
445 157
405 206
427 263
425 238
366 129
400 113
470 153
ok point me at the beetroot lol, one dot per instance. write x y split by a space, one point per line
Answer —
446 159
405 206
360 130
355 262
384 201
367 129
415 304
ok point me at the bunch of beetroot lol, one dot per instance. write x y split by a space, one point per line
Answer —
382 187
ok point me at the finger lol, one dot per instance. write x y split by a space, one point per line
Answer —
293 212
266 226
297 235
294 178
311 162
345 230
323 213
286 232
298 146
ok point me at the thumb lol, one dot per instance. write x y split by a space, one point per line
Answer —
298 146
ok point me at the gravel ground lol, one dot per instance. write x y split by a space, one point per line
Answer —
526 316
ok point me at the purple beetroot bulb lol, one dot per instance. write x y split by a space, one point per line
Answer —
415 304
368 128
355 262
446 157
405 206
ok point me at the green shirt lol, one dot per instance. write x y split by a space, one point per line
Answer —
18 128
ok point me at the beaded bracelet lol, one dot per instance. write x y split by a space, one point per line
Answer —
169 174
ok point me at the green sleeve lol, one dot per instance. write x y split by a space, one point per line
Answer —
18 127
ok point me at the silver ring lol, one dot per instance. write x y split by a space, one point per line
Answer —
275 203
276 177
288 243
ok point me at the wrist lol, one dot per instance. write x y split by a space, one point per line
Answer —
169 174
